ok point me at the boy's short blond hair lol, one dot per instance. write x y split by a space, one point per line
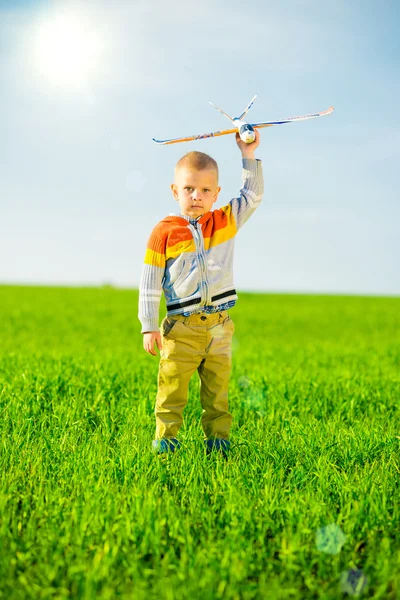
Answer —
197 160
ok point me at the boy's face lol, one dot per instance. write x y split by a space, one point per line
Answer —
196 191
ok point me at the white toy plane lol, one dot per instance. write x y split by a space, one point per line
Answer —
246 131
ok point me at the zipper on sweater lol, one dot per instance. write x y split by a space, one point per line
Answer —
202 260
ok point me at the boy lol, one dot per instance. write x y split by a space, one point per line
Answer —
189 255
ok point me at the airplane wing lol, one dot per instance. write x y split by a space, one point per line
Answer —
291 119
196 137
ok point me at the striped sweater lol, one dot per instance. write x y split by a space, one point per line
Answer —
191 259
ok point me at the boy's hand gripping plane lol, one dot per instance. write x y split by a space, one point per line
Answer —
245 130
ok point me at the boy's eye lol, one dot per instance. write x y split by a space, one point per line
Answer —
190 188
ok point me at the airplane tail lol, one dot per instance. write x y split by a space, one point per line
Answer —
248 107
221 111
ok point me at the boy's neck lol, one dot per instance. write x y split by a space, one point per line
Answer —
188 217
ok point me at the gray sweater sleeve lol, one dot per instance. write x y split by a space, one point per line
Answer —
251 192
150 286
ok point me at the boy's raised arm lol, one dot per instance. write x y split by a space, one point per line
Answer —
252 190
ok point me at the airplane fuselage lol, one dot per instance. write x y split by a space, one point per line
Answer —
246 131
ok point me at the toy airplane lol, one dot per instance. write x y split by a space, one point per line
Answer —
246 131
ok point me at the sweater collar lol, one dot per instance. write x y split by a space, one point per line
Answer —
202 219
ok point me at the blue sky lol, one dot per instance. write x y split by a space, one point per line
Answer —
82 184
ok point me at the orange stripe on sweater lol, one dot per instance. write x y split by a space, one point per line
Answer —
221 230
178 239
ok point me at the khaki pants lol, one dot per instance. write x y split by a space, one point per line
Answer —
199 342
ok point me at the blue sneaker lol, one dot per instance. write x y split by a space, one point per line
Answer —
166 445
217 444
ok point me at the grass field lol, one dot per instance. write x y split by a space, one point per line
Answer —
306 506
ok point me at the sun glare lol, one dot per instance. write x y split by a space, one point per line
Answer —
66 51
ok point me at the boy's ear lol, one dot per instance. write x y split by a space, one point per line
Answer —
216 194
174 191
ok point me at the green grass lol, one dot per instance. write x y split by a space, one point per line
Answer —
88 511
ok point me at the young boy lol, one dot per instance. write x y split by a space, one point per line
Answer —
189 255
